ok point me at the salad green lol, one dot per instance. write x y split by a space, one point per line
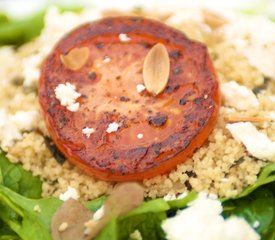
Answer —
19 31
20 218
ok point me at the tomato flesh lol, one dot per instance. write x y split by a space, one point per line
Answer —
155 132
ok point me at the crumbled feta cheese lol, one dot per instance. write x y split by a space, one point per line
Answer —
70 193
12 126
258 46
136 235
74 107
237 96
63 226
256 224
212 196
225 180
31 70
140 136
140 88
112 127
169 197
123 37
236 228
106 59
202 220
24 120
272 115
37 208
99 213
256 143
67 95
88 131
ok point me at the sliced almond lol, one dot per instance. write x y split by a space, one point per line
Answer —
156 69
76 58
68 221
124 198
213 19
234 119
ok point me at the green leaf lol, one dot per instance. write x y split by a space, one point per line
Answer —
16 32
19 180
147 219
152 206
95 204
109 232
6 232
182 202
148 224
19 31
20 216
266 176
256 203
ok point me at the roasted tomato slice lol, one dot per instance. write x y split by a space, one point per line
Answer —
103 60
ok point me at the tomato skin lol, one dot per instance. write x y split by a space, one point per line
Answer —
189 103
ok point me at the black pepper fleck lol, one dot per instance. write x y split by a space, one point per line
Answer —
170 89
146 45
92 75
124 99
99 45
183 101
175 54
157 120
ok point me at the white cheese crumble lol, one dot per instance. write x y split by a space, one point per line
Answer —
99 213
239 97
170 197
202 220
12 126
258 46
112 127
63 226
140 136
136 235
88 131
67 95
106 59
70 193
257 144
256 224
31 71
272 115
123 37
140 88
37 208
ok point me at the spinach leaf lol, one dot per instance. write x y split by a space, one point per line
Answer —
266 176
147 219
152 206
148 224
109 232
182 202
19 31
16 32
256 204
7 233
20 215
95 204
13 176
